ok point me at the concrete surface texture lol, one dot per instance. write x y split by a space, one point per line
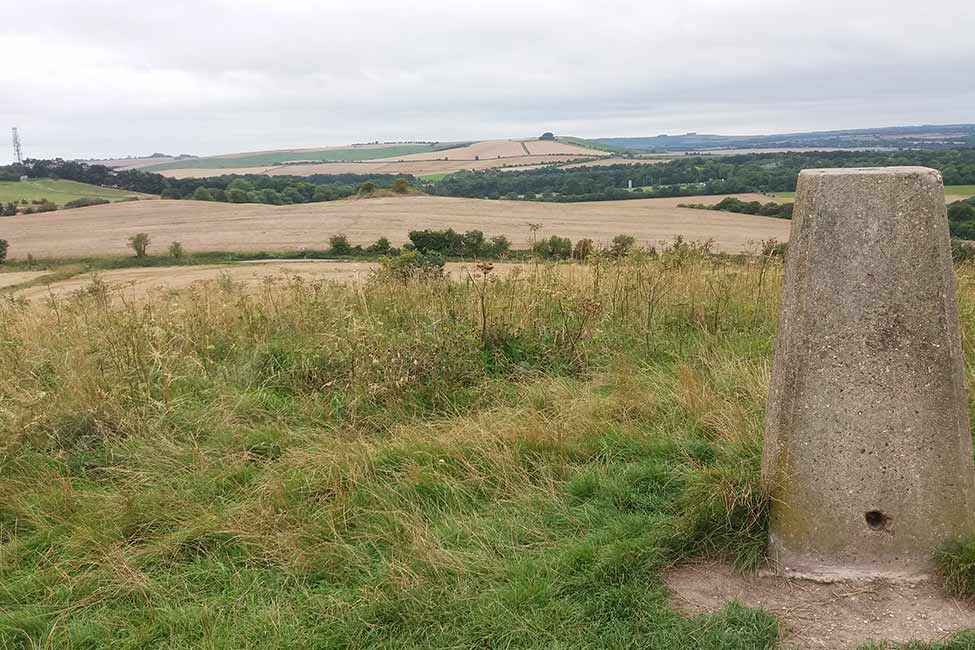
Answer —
868 449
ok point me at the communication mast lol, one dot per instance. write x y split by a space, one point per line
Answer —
18 152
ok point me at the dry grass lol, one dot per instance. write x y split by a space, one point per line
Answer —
137 284
388 465
205 226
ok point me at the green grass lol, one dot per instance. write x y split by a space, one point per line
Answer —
592 144
392 465
433 178
60 191
960 190
274 158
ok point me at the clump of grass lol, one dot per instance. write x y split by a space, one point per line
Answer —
412 462
956 563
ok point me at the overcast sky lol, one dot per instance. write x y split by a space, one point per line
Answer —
102 78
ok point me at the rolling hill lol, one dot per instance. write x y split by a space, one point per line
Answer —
419 159
61 191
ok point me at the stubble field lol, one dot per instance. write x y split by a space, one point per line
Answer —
203 226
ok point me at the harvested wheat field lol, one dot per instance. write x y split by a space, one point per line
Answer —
142 283
204 226
18 277
415 167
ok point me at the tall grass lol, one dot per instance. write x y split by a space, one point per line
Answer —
497 462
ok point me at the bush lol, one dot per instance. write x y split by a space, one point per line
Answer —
202 194
381 247
401 186
366 189
176 250
413 265
622 244
500 246
139 243
3 250
41 206
583 249
85 202
9 210
553 248
339 245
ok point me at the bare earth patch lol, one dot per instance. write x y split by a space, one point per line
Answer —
826 615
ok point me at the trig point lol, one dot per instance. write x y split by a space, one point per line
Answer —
868 448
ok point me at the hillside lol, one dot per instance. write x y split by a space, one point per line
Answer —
60 191
921 137
204 226
419 159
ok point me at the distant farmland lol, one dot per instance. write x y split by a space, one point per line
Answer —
416 159
275 158
60 192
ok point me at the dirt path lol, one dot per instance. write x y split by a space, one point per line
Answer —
817 616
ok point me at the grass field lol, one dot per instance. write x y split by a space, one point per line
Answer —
208 226
956 192
60 192
511 463
274 158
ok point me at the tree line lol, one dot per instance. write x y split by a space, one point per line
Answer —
690 175
683 176
733 204
238 188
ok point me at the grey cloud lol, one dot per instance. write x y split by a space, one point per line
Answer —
102 78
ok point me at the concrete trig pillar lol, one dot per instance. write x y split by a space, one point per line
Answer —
868 447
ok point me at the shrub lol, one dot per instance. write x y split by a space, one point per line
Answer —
3 250
500 246
202 194
366 189
85 202
381 247
9 210
622 244
583 249
414 265
41 206
176 250
401 186
139 243
339 245
553 248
